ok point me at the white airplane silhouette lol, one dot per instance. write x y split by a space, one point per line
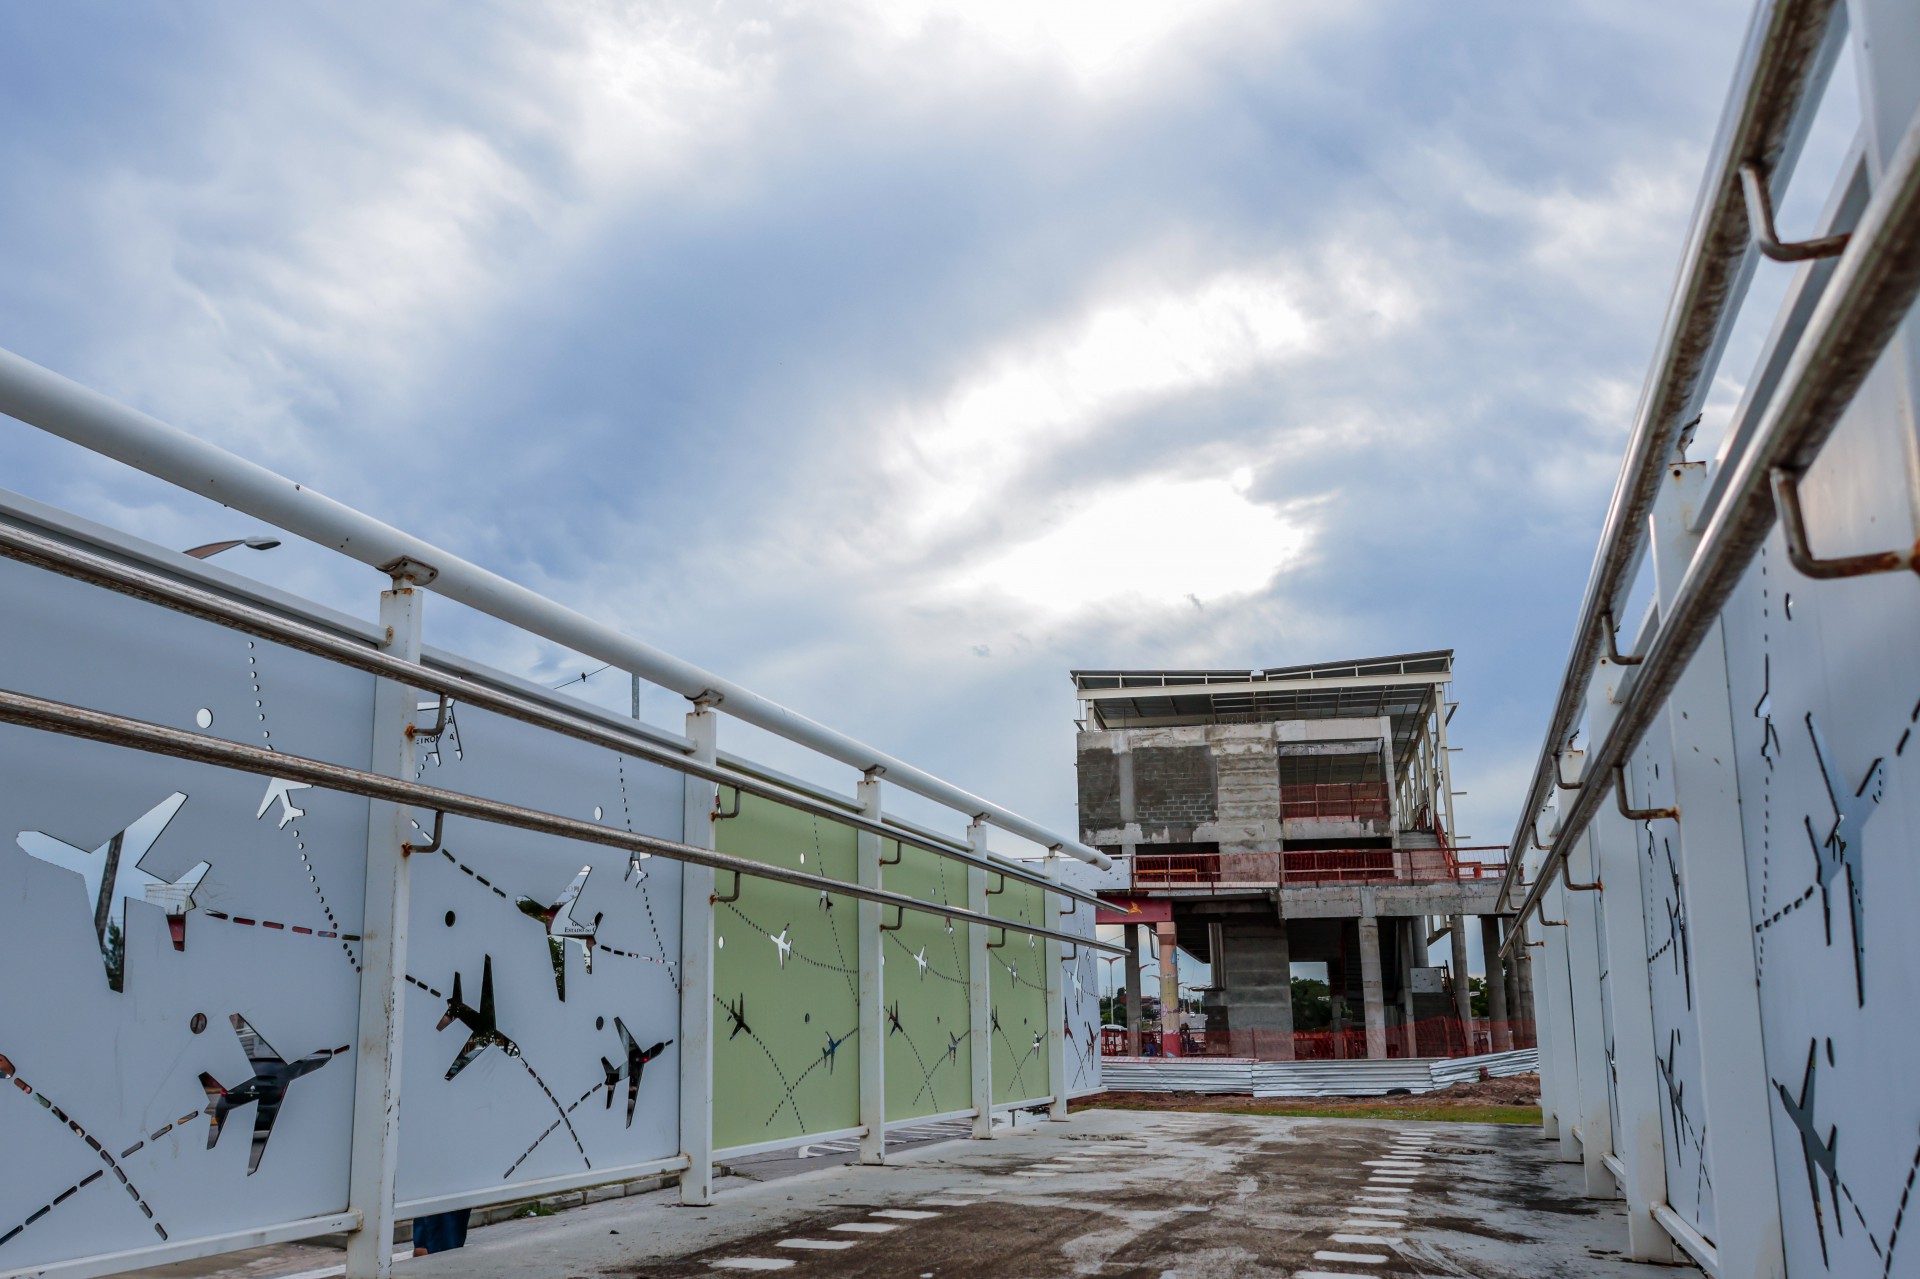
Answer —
782 945
280 788
112 874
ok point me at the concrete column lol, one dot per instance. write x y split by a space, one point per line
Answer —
1462 989
1408 927
1372 994
1498 1013
1281 1047
1169 983
1133 990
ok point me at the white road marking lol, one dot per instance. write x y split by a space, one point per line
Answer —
828 1244
1034 1172
1380 1212
865 1227
1392 1163
1364 1258
946 1203
1385 1241
751 1263
904 1214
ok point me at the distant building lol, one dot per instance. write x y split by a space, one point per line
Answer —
1279 816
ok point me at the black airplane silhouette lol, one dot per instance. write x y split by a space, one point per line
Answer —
629 1069
831 1051
273 1075
1839 852
737 1013
1820 1156
893 1019
485 1031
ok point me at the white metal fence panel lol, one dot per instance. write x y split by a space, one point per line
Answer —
182 942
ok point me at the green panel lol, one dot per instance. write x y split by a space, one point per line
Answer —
929 1058
786 1060
1019 996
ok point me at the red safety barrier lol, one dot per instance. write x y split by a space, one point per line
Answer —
1311 866
1429 1037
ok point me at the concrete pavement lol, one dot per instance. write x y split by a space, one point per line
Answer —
1127 1195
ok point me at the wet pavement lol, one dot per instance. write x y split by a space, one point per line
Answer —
1128 1195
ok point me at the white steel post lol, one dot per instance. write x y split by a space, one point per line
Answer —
979 989
1372 989
1622 909
1056 1008
870 1016
1713 876
1589 1026
1462 982
375 1139
696 971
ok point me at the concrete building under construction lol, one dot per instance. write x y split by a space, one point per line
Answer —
1273 817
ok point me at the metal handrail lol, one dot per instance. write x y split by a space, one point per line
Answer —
42 398
120 730
1789 51
1873 288
48 553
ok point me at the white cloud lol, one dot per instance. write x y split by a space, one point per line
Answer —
1159 543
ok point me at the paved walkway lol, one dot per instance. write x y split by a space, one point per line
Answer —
1125 1195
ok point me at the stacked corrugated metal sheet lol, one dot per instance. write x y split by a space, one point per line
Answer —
1177 1074
1307 1078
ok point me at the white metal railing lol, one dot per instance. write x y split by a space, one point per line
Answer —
60 407
392 652
1867 296
1788 54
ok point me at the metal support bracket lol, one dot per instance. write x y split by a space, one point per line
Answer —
899 917
409 570
433 842
996 945
1558 780
1614 654
1597 886
439 721
1786 503
726 814
1636 814
899 851
1553 923
1753 182
733 896
995 892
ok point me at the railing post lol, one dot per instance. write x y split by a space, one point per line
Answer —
696 970
979 989
869 1017
1630 1051
1584 966
1713 876
375 1140
1056 1008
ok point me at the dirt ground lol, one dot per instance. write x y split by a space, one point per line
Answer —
1515 1099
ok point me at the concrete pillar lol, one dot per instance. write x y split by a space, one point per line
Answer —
1408 928
1169 984
1498 1013
1133 990
1462 990
1371 990
1281 1047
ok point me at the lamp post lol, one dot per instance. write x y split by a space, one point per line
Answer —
258 542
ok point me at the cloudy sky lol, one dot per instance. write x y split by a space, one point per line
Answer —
892 357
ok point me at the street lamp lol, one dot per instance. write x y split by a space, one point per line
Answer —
258 542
